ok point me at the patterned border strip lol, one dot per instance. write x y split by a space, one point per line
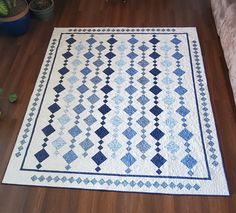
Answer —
38 93
89 30
204 105
116 182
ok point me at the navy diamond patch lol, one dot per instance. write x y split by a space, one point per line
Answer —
59 88
104 109
155 90
155 71
111 41
54 108
108 71
158 160
156 110
157 134
110 55
41 155
70 40
154 41
48 130
63 71
106 89
154 55
99 158
67 55
101 132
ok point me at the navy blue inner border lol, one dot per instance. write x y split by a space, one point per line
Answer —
124 175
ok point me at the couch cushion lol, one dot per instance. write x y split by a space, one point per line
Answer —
219 8
227 34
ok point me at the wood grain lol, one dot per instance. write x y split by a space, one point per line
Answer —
20 62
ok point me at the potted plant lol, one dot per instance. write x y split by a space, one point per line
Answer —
14 16
12 97
42 9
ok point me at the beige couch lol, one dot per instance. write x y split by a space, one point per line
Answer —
224 12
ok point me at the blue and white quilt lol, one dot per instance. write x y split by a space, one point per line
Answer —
123 109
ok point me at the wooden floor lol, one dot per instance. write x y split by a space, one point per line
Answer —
20 61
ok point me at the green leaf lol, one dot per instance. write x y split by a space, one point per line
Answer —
3 8
12 97
1 90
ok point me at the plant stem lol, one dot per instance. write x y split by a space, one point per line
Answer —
9 4
14 3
